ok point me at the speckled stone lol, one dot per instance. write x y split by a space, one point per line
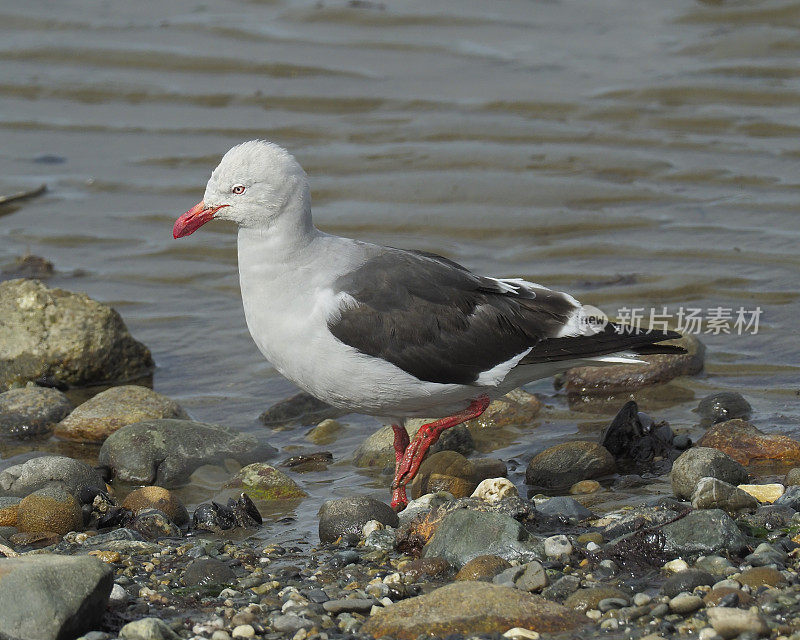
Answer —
482 568
50 509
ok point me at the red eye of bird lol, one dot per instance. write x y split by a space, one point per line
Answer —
238 189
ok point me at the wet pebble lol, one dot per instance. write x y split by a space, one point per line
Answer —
31 410
565 464
722 406
349 515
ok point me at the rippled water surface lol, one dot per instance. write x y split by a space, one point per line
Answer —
635 154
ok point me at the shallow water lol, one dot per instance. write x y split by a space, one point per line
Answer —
635 154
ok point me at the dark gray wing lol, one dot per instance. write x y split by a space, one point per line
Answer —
438 321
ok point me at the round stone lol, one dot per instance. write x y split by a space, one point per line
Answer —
50 509
157 498
483 568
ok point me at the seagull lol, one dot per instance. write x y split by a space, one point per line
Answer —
390 332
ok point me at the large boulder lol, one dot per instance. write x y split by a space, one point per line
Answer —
166 452
62 336
469 608
50 597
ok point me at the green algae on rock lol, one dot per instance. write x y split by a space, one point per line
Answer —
264 482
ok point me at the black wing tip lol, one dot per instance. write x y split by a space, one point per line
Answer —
655 347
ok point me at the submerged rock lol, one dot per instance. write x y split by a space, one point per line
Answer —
108 411
564 464
483 567
747 444
35 473
378 449
51 597
722 406
470 607
31 410
166 452
265 482
347 516
704 462
67 337
208 571
624 378
301 408
564 507
515 408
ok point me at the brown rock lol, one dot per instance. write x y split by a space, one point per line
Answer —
584 486
715 595
49 509
746 444
114 408
444 471
157 498
8 511
420 568
35 540
589 598
468 608
109 557
564 464
758 576
623 378
482 568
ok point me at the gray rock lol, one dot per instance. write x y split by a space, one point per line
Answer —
790 498
562 588
730 622
685 603
722 406
22 457
119 597
464 534
358 605
638 518
792 477
565 507
73 475
154 524
63 336
711 493
122 534
565 464
715 565
508 577
50 597
31 410
769 516
385 539
147 629
349 515
686 581
205 571
703 532
533 577
704 462
166 452
290 623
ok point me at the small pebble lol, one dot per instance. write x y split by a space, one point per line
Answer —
244 631
557 547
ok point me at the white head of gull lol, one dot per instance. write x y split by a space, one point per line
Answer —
384 331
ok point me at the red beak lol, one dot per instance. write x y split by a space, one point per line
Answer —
193 219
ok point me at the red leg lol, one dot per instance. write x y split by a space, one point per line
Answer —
407 467
400 445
